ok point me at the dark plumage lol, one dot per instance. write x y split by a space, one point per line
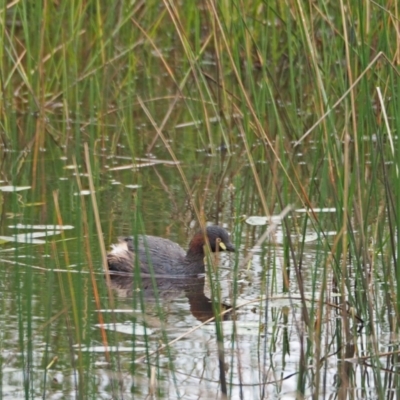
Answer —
164 257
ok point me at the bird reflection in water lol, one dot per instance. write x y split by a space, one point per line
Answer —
168 289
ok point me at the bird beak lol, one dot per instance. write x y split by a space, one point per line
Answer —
228 247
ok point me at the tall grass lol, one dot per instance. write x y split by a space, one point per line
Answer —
295 102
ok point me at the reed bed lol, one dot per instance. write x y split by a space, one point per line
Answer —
210 111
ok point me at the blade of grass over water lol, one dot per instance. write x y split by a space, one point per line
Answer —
79 374
87 245
345 94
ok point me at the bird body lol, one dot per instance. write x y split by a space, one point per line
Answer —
159 256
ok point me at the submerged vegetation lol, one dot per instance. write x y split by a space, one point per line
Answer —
158 117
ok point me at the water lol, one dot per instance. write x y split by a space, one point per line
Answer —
58 340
